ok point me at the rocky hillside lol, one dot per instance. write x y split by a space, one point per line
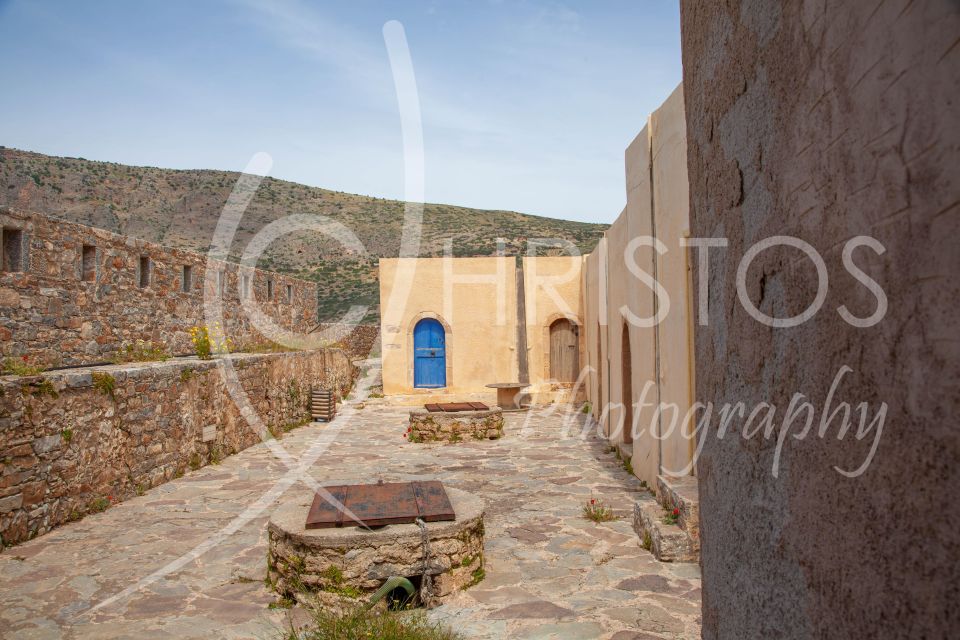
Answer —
181 209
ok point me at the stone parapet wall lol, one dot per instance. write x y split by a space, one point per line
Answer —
457 426
357 340
75 441
52 315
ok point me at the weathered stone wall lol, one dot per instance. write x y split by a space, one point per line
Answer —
357 340
72 441
341 565
55 317
826 121
455 426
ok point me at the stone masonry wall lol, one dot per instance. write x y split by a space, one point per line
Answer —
825 121
51 314
455 426
74 441
357 340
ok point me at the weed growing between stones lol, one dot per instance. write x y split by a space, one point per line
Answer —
19 367
282 603
42 387
598 511
333 583
98 504
195 461
478 575
672 517
186 374
647 541
209 341
586 408
105 383
67 435
141 351
363 625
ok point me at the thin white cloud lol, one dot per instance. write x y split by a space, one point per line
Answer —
359 60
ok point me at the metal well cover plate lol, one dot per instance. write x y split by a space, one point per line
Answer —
374 505
456 406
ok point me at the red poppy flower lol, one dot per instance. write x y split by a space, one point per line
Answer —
592 501
676 512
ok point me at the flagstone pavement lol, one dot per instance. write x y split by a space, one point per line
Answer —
550 573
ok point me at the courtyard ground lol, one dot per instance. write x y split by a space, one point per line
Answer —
550 573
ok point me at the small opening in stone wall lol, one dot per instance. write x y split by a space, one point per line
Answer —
244 287
221 283
398 600
12 249
186 282
88 263
269 289
144 272
289 294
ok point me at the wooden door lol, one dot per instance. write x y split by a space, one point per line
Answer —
429 355
564 351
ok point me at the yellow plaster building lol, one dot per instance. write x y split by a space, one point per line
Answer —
613 327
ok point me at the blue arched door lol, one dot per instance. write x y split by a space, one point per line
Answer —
429 355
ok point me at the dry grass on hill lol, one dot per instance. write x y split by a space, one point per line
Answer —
180 208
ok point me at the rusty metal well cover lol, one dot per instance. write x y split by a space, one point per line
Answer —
374 505
456 406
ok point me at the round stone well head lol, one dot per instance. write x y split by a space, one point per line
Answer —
455 426
341 567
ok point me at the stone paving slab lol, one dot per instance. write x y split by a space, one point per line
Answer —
550 574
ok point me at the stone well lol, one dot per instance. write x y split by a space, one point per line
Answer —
455 426
342 566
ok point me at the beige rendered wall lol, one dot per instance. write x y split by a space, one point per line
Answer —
617 237
474 298
660 353
593 302
826 121
552 288
645 450
671 209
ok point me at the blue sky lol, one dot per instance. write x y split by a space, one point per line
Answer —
526 106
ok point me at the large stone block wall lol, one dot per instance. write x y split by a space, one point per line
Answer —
826 121
55 317
71 440
356 339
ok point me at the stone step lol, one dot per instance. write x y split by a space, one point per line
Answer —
667 542
682 493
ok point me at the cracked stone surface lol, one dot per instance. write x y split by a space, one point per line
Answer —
550 573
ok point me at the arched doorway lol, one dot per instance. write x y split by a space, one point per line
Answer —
429 355
626 383
564 351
